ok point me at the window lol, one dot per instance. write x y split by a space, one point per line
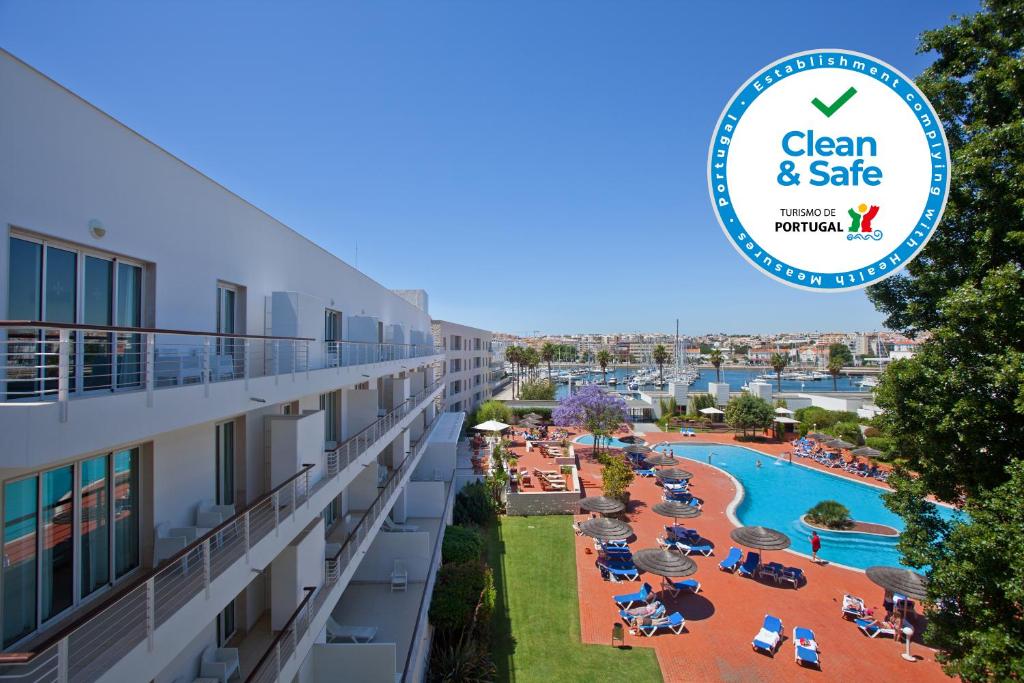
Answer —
329 404
64 540
331 513
63 284
225 463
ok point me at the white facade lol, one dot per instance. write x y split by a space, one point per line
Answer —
202 415
466 369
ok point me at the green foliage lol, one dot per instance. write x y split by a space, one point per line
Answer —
462 544
616 476
699 401
537 390
955 410
749 413
881 443
831 514
841 353
824 419
741 349
848 431
543 412
456 594
492 410
463 658
474 504
715 358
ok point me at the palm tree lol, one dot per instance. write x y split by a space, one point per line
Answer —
547 353
716 359
835 368
660 356
603 359
513 354
778 363
532 360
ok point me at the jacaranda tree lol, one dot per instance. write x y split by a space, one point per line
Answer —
592 409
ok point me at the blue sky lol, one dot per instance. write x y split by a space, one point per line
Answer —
533 165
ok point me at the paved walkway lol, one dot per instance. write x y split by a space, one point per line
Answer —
723 618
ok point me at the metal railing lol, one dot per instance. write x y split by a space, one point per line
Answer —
86 648
93 642
55 362
269 667
342 456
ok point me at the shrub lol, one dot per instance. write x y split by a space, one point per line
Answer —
813 415
456 594
537 390
699 401
831 514
462 659
616 478
473 505
849 431
492 410
461 544
747 412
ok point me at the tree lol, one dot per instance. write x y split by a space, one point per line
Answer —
513 355
835 368
716 360
616 476
748 412
660 356
547 354
779 363
537 390
591 409
830 513
493 410
531 358
955 411
842 352
604 358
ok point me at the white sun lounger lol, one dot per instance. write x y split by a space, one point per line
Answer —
336 633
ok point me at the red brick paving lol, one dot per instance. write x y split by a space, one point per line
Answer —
723 618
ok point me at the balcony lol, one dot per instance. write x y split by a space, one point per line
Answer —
156 381
286 652
135 632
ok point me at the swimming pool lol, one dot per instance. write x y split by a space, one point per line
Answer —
778 493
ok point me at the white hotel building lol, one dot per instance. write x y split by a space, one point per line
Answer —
222 449
466 369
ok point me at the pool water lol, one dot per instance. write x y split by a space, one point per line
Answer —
778 493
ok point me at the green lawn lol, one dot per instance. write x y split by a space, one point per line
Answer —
537 619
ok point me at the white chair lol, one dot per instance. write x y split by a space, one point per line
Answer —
169 541
336 633
219 663
399 577
209 516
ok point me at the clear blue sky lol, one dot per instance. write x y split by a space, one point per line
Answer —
534 165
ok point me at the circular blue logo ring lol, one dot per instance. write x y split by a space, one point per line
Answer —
878 269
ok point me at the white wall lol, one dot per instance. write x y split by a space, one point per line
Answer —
425 498
412 548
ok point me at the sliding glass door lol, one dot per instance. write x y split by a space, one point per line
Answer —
226 463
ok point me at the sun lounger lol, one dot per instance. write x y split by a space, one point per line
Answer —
731 560
703 549
337 633
391 526
873 629
805 647
793 575
680 533
677 587
673 622
618 571
770 569
652 610
770 635
853 607
750 565
645 594
644 473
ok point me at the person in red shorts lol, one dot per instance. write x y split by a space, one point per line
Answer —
815 545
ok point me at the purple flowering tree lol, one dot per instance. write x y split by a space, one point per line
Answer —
591 409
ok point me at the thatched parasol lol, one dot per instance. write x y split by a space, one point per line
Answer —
818 436
661 460
839 443
606 529
676 509
760 537
637 448
665 563
900 580
602 504
674 473
867 451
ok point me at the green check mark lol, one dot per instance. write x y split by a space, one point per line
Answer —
834 107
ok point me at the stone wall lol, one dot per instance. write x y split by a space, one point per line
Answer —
546 502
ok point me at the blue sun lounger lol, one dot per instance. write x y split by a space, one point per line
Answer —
793 575
770 635
731 560
627 600
805 647
618 570
644 473
750 565
673 622
677 587
654 610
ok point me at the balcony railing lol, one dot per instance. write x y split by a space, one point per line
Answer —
285 644
86 648
92 643
51 361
